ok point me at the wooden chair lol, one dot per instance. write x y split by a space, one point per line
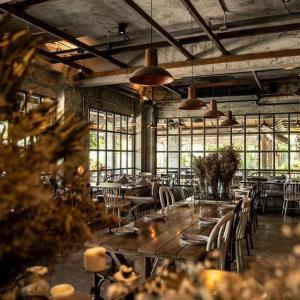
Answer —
291 193
219 239
240 233
140 210
166 197
113 199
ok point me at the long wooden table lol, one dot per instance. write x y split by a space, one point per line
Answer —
161 238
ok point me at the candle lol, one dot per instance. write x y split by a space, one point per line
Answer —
62 292
94 259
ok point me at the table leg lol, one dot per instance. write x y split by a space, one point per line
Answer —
142 265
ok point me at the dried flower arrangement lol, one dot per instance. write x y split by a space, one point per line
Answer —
217 169
34 226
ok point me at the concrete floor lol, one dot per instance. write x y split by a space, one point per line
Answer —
268 242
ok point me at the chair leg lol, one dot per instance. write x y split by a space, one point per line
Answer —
285 209
247 244
251 239
256 221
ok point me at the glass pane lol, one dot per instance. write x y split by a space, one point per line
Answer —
130 160
266 142
117 141
161 160
161 143
266 160
173 126
117 160
224 140
295 142
211 126
267 120
102 120
198 143
93 119
281 141
173 143
185 160
110 140
102 160
238 141
186 143
293 122
93 178
102 176
124 160
110 162
124 141
252 142
211 143
93 160
101 140
251 160
281 160
186 129
117 123
295 161
32 103
252 123
110 121
281 122
241 127
130 142
198 125
124 124
161 126
173 160
93 140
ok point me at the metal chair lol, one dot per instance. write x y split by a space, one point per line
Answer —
113 199
240 233
166 197
219 239
291 193
140 210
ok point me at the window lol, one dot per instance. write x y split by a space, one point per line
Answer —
111 145
267 150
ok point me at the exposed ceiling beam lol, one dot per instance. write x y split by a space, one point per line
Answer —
26 4
59 59
20 14
159 29
192 10
195 39
258 82
223 5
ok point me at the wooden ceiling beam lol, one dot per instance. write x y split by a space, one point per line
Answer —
28 3
193 11
22 15
159 29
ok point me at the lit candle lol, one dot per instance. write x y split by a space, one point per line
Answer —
62 292
94 259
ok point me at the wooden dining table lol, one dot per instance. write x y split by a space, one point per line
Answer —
161 238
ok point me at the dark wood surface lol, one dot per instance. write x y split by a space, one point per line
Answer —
161 238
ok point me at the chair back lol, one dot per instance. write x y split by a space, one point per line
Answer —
244 215
184 193
291 190
155 191
219 238
166 197
140 210
111 194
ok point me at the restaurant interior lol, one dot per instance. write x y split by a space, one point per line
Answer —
149 149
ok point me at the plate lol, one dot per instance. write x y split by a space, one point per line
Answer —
208 221
125 230
194 239
153 217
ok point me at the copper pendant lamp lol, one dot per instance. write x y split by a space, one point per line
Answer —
192 103
151 74
230 120
213 113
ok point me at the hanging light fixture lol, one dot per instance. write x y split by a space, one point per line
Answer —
230 120
191 103
132 121
264 124
213 113
152 125
151 74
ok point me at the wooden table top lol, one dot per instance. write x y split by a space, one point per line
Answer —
161 238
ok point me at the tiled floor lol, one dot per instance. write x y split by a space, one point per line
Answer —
268 242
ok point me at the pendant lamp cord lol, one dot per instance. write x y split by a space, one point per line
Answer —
229 96
151 23
213 68
192 33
